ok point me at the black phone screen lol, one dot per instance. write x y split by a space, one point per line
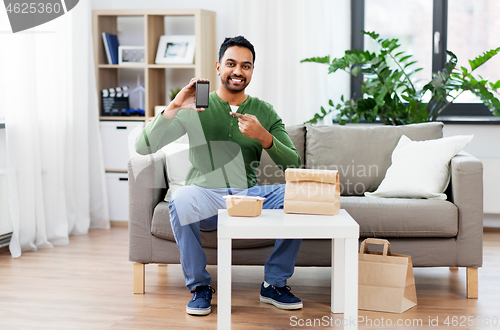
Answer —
202 91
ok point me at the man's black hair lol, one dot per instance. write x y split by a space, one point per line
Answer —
235 41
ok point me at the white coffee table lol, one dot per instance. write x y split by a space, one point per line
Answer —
341 228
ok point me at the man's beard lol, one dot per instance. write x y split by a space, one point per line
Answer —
226 83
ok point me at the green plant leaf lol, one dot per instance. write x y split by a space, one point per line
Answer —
404 58
410 63
481 59
355 70
338 64
373 35
496 85
323 60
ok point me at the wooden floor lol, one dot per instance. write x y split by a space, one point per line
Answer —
88 285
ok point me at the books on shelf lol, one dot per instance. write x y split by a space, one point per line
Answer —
111 47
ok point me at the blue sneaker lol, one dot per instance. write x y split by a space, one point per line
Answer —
279 297
200 303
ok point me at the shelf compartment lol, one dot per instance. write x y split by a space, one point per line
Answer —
108 78
102 24
155 90
155 28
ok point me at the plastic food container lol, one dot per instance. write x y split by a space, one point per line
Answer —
244 206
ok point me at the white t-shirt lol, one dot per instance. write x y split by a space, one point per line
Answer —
234 108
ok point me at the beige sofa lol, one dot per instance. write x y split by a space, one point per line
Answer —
436 233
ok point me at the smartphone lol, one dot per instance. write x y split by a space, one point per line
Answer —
202 91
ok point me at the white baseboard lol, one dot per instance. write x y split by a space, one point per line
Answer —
491 221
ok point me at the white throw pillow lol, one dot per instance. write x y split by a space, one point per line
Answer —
420 169
178 164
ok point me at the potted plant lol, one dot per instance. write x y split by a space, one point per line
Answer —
389 93
174 92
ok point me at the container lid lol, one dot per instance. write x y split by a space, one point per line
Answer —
256 198
315 175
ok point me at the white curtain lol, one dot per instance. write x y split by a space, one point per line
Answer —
285 32
55 170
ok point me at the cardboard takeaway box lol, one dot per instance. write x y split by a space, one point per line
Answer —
312 191
244 206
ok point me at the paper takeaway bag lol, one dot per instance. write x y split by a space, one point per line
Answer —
310 191
386 281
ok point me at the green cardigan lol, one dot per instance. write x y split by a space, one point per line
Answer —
229 159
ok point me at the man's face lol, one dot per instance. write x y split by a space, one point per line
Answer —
236 68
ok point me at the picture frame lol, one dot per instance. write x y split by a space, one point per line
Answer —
175 49
128 55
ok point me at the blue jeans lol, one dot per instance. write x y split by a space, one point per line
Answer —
193 208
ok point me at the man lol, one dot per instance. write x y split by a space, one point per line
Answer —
226 141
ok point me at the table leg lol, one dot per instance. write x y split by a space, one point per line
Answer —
224 283
338 275
351 284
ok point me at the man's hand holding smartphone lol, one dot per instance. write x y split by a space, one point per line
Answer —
187 98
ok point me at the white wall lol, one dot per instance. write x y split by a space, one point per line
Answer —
486 146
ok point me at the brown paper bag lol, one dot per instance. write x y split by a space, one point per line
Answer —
310 191
386 281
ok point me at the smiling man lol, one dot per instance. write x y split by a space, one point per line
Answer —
225 139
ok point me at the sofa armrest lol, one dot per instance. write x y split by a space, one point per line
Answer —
467 194
147 187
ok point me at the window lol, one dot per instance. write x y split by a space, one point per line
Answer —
473 28
425 29
412 28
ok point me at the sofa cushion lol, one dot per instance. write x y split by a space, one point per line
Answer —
420 169
400 217
268 172
177 164
160 227
361 153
